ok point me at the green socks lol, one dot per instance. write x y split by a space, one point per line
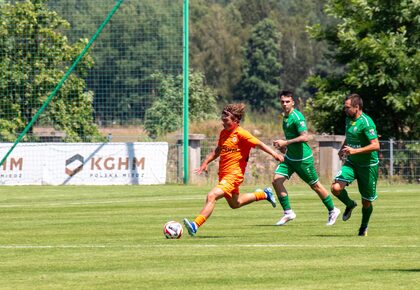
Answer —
329 203
284 201
344 197
366 213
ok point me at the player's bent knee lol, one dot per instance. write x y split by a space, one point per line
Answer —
336 188
366 203
278 179
315 187
211 196
235 206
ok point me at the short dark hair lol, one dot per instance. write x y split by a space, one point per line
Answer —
356 100
286 94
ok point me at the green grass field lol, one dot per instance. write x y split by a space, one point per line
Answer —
111 238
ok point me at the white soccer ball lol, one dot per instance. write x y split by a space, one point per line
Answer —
172 230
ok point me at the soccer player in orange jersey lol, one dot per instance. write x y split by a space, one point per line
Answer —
233 148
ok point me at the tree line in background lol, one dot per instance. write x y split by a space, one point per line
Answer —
34 57
240 50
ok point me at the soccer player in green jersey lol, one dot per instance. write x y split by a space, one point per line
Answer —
360 151
298 159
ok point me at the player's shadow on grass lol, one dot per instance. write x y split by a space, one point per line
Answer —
415 270
265 225
333 235
210 237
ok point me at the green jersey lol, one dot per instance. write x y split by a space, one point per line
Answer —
359 132
293 125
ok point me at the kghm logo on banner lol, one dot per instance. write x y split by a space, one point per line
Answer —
74 164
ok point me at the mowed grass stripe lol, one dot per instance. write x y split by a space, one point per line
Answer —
203 246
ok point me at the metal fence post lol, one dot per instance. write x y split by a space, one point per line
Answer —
391 157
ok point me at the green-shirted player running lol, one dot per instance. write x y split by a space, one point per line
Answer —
298 159
360 150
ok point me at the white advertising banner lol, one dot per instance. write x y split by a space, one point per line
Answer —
84 163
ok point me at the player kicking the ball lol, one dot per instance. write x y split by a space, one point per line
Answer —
233 148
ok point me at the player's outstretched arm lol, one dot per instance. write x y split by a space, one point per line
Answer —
270 151
211 157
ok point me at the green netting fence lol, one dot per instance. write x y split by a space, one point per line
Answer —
129 63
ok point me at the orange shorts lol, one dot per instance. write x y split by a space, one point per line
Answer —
230 184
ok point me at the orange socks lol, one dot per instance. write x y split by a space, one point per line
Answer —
199 220
260 195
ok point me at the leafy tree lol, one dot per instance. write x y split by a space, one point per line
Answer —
165 114
142 37
34 58
222 2
150 41
215 45
377 43
254 11
260 81
300 55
